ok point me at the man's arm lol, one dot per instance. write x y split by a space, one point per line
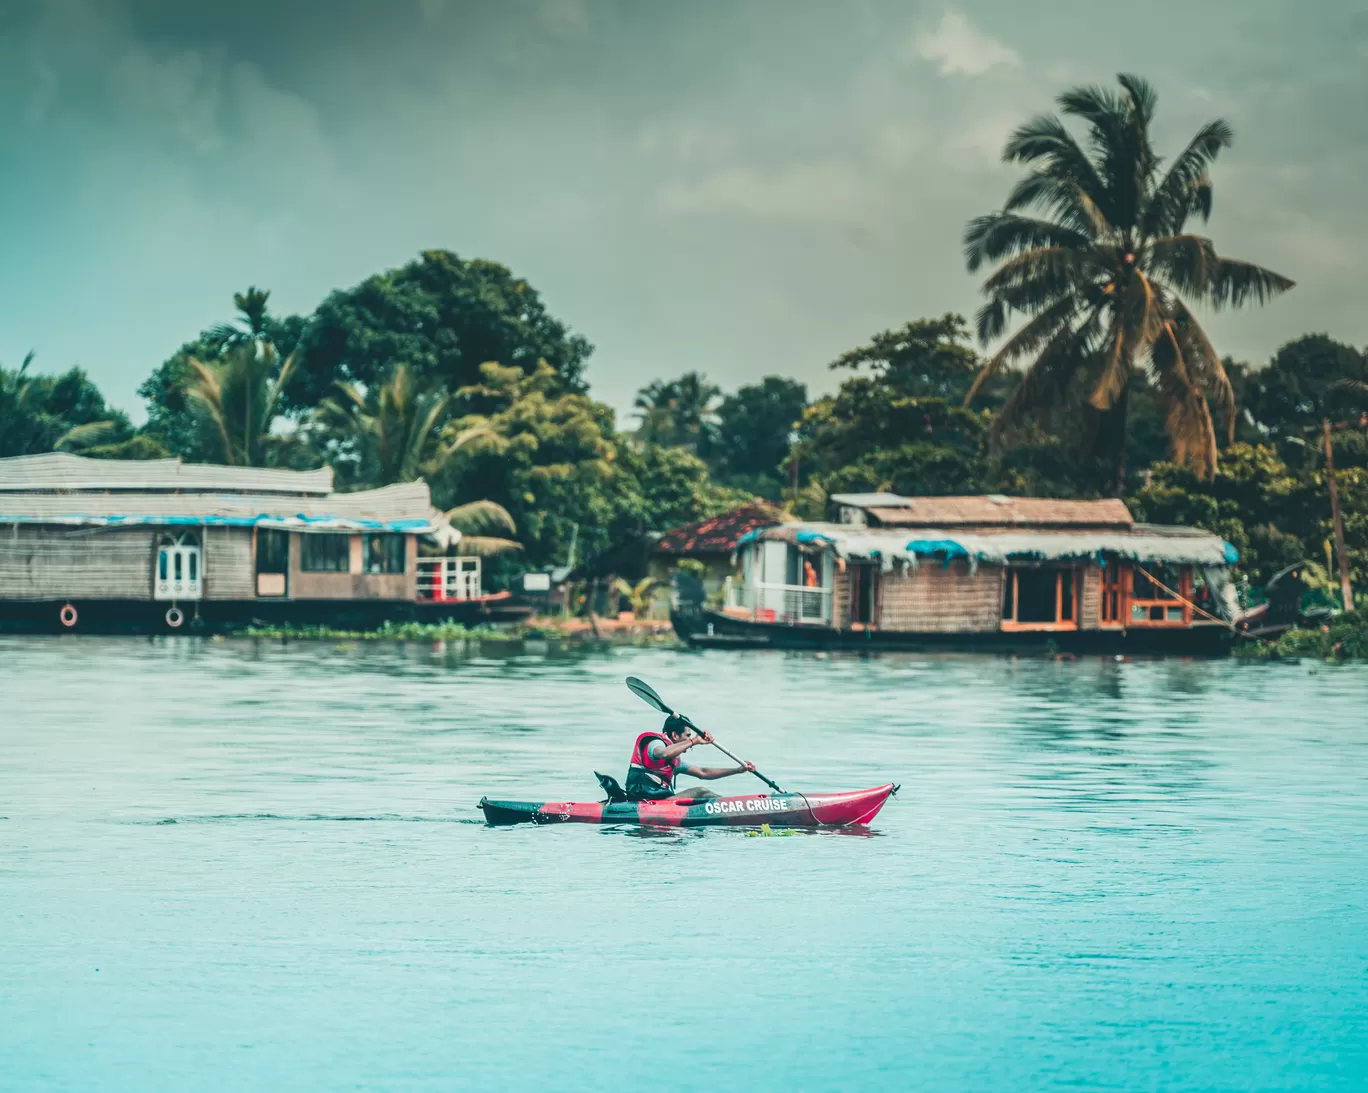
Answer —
709 773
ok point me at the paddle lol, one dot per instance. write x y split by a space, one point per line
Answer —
647 694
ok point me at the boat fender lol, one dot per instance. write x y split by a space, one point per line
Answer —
174 617
67 616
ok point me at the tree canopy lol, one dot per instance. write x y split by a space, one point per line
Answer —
443 316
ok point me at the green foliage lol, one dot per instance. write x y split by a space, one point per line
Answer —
1345 637
175 419
1302 384
928 358
756 428
557 464
236 400
443 315
679 413
1094 253
41 413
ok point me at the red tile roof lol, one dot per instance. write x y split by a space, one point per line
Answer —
999 511
718 534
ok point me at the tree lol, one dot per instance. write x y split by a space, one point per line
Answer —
391 433
560 468
173 418
442 314
679 413
238 398
41 413
927 358
756 427
1101 272
1308 378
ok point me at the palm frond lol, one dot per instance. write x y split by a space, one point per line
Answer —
1004 235
1186 187
484 545
1115 368
480 516
87 435
1236 283
1033 335
1188 262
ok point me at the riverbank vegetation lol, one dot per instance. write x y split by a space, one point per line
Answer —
1344 637
454 370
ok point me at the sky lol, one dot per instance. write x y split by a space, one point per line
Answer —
739 187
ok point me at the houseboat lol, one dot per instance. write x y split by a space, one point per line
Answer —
990 572
133 545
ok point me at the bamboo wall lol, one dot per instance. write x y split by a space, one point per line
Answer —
228 573
936 599
58 562
1090 602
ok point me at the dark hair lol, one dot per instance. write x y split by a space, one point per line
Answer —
675 723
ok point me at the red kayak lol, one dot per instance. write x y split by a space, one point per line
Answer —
776 809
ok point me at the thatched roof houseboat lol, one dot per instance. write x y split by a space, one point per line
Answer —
131 544
992 571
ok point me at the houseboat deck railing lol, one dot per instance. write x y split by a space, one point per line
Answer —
444 579
791 603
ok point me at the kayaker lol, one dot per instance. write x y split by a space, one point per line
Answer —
657 759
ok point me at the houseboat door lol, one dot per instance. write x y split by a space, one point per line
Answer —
179 571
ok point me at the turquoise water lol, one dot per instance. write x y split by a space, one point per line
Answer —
238 866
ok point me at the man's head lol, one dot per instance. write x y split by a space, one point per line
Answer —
676 728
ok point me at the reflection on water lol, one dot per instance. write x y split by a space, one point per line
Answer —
247 865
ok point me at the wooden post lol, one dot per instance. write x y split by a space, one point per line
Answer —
1346 592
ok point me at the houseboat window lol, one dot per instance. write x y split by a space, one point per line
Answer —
176 563
161 565
1040 599
193 560
1160 601
273 550
1037 595
383 554
325 553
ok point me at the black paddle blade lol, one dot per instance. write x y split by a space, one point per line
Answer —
646 693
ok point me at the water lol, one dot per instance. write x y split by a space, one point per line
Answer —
237 866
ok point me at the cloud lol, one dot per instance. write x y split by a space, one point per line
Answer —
961 48
825 192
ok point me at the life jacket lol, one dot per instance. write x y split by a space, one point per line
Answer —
661 770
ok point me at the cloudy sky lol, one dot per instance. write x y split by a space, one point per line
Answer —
736 186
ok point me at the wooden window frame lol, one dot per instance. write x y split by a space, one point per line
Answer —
1114 593
1184 590
1010 573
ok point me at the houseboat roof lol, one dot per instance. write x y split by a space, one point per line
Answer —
404 507
718 534
1137 542
62 471
989 510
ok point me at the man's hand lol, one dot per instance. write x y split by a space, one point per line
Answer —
703 736
746 767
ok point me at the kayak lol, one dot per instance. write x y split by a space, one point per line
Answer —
776 809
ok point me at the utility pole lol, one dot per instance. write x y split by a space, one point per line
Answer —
793 479
1346 592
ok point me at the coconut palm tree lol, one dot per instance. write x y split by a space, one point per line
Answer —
239 399
395 433
680 412
253 325
1092 249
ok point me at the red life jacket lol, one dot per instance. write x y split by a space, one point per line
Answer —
663 769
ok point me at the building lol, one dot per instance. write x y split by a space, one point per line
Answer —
712 543
160 544
982 572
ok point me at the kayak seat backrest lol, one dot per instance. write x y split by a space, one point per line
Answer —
615 792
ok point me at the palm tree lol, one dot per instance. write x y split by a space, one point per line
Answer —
239 397
680 412
394 433
1093 251
253 325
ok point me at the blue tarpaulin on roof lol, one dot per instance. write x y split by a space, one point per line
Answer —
930 547
1231 554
